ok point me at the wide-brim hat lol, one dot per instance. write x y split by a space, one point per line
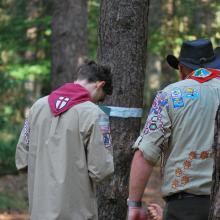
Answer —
196 54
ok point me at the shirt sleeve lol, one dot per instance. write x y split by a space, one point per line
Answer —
99 150
157 129
21 156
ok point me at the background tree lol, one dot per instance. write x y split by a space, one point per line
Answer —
69 39
122 45
214 213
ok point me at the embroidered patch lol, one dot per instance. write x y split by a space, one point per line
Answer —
181 177
192 155
154 121
61 102
105 129
202 73
204 155
179 172
153 127
175 184
107 139
184 180
176 93
187 164
191 93
26 132
177 98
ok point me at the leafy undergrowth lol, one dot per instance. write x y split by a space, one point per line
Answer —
13 197
8 203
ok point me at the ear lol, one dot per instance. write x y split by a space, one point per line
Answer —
100 84
181 72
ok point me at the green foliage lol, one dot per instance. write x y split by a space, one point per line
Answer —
25 28
12 95
10 202
93 15
24 41
26 70
7 158
179 20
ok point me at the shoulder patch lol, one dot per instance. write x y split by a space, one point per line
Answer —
191 93
105 129
26 131
154 121
177 98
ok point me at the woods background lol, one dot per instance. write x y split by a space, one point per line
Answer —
43 41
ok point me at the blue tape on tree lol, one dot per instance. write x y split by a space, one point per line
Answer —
123 112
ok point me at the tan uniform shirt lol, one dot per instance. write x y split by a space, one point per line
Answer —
180 127
66 156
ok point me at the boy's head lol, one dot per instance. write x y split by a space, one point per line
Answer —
98 77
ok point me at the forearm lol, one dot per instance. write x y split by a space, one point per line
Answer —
140 172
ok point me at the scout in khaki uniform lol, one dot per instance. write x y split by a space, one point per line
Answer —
180 130
66 146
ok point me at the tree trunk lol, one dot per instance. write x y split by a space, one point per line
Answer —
69 26
215 194
122 45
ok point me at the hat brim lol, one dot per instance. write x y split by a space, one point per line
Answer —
215 64
173 61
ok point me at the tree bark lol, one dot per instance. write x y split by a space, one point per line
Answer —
122 45
215 193
69 39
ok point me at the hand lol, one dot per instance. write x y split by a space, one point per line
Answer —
154 212
136 213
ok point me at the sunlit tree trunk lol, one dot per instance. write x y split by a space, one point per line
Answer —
215 194
69 38
122 45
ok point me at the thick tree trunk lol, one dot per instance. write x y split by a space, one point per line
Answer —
215 194
122 45
69 26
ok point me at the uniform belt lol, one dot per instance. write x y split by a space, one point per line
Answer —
183 195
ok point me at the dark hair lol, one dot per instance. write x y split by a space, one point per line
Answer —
93 72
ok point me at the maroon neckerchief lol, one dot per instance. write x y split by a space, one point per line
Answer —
204 74
67 96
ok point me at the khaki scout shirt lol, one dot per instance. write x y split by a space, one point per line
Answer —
180 127
66 156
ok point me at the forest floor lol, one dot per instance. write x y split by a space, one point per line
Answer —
13 195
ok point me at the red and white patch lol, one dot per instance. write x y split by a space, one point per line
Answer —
61 102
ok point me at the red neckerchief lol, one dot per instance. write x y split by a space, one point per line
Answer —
66 97
204 74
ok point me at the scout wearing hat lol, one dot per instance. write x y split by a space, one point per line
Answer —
180 130
198 55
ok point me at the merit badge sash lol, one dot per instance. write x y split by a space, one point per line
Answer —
203 75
